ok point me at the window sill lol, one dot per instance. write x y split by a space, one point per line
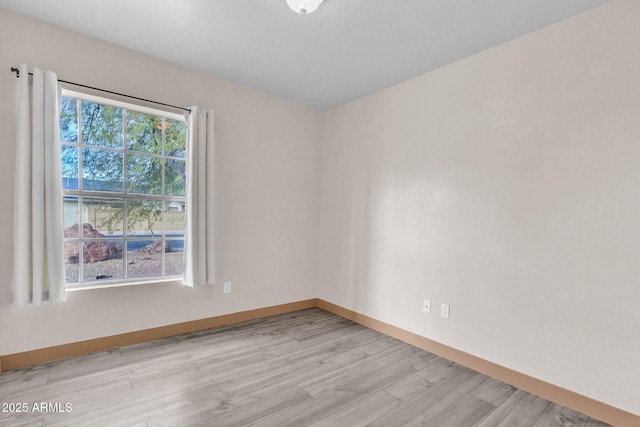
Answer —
169 280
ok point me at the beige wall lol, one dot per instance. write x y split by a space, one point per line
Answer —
268 172
508 186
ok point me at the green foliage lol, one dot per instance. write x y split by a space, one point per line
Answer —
142 215
124 152
101 125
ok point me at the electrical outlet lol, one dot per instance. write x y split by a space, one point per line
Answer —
444 310
426 306
227 287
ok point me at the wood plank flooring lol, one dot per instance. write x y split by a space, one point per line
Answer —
307 368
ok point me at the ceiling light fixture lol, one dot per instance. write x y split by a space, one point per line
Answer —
304 7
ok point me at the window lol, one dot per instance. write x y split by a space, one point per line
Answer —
123 173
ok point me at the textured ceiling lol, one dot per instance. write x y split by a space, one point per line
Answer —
344 50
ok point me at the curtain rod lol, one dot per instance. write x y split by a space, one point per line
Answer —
17 71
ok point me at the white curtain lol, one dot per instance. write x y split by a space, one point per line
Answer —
199 244
38 264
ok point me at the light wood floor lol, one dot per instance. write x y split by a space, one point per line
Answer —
308 368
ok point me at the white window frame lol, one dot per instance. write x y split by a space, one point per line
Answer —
120 195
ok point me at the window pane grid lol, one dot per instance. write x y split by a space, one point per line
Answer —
129 243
